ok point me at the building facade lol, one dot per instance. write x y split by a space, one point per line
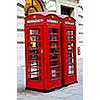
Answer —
25 7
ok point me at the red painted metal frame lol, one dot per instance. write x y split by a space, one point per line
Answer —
45 83
67 79
56 82
36 84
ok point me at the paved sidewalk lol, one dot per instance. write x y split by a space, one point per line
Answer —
71 92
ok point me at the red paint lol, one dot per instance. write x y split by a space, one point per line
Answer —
43 51
79 51
68 50
50 40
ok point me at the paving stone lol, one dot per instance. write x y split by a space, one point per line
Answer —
75 97
72 92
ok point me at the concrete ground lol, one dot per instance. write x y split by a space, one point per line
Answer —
71 92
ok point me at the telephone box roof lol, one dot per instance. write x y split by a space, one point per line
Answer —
63 16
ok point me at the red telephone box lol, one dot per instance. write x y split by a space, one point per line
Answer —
43 51
69 50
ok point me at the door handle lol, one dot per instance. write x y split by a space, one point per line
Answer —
41 51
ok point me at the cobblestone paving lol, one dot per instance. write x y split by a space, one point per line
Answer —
71 92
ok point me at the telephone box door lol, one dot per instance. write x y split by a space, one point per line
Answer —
70 55
34 57
54 57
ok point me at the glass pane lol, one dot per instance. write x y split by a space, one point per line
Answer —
55 76
69 50
34 38
71 66
70 60
70 44
70 32
53 37
54 63
72 71
53 70
54 73
34 31
70 37
53 56
54 44
34 44
69 72
70 54
34 77
34 71
33 51
53 31
35 64
33 57
53 50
